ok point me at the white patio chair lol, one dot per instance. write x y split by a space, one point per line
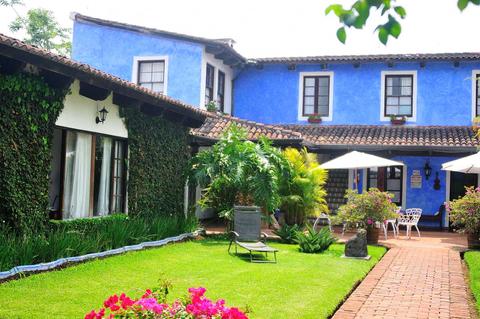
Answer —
394 227
408 219
323 218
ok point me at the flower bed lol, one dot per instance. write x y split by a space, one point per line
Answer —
153 305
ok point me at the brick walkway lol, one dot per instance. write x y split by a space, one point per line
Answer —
417 278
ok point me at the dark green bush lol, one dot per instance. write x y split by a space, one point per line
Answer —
79 237
287 233
312 242
158 159
84 224
28 111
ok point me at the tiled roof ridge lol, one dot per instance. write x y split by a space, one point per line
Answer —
66 61
369 57
371 126
267 126
385 135
221 42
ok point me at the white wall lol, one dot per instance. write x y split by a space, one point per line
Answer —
79 112
218 65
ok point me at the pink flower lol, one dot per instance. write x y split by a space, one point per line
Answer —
111 303
369 221
147 293
95 315
126 302
151 304
91 315
234 313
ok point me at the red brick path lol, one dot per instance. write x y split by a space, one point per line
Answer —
411 281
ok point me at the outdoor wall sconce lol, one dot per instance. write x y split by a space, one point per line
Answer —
427 169
102 115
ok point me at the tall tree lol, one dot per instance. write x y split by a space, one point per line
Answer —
41 28
358 14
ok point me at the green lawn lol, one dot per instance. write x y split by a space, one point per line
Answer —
472 258
299 286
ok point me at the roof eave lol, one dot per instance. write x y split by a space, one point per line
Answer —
43 62
208 43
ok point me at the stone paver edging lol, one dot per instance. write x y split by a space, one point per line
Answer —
5 275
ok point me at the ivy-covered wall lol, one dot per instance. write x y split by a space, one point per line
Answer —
28 110
158 158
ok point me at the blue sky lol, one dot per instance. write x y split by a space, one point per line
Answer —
280 28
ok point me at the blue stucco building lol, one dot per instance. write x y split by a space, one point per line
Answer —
414 108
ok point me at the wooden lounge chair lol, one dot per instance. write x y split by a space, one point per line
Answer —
247 234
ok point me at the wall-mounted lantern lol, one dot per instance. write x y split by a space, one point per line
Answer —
102 115
427 169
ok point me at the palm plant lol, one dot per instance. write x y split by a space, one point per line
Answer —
238 171
303 194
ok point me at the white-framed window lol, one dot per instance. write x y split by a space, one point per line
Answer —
151 72
398 95
209 83
94 170
475 93
315 95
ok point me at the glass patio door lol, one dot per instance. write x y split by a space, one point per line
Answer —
389 179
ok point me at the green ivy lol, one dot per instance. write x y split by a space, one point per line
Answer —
28 111
158 160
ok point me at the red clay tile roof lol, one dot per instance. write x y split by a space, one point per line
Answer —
30 54
469 56
216 44
216 124
385 135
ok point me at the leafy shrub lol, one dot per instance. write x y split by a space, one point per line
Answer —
312 241
79 237
153 304
303 190
238 171
367 208
158 159
83 224
287 233
29 109
465 211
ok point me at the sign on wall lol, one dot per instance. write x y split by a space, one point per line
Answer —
416 179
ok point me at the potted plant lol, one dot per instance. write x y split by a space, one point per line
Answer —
238 172
368 210
211 107
398 119
314 118
476 124
465 215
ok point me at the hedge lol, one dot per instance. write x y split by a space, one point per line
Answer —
28 111
158 159
86 224
158 156
79 237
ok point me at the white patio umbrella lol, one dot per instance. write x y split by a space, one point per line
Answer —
469 164
359 160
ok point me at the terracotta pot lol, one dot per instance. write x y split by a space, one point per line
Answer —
397 122
473 241
372 235
314 120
